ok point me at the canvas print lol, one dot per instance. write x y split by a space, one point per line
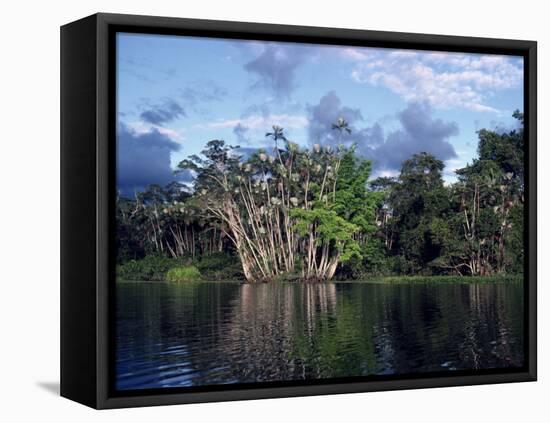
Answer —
301 213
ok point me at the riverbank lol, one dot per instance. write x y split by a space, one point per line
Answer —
444 279
374 280
223 267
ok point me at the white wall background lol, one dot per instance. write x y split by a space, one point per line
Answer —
29 210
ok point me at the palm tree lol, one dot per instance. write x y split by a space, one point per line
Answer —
341 125
277 133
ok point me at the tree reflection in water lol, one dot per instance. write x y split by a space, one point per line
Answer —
214 333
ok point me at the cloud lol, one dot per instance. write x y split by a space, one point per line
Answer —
275 67
324 114
193 98
452 165
143 158
418 131
444 80
140 127
262 122
255 126
356 54
240 132
165 111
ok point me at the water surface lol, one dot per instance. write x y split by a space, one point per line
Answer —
179 335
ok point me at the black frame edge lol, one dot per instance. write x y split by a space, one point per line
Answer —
78 212
311 390
105 174
531 265
418 40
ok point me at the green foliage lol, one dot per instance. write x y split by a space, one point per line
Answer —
183 274
418 198
150 268
352 201
505 150
220 266
487 209
330 229
447 279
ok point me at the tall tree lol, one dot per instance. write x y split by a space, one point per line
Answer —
418 198
489 197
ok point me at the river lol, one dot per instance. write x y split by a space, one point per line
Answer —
205 333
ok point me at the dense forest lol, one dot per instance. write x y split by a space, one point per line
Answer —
316 214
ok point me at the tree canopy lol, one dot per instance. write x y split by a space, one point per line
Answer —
316 214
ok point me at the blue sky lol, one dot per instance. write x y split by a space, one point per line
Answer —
176 93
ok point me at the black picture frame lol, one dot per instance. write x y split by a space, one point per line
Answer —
88 193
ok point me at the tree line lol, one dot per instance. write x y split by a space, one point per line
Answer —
315 214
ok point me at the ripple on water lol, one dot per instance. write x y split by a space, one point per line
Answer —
215 333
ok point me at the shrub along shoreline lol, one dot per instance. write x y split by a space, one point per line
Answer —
446 279
158 268
222 267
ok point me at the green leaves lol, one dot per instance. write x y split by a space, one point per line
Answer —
417 198
183 274
329 229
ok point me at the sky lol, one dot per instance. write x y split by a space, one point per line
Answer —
176 93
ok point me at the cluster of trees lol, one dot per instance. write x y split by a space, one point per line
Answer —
313 213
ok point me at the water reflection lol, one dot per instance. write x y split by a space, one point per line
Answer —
172 335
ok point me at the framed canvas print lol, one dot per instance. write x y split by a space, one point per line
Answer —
254 211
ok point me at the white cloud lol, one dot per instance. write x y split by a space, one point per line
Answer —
403 54
142 128
263 122
454 164
356 54
385 173
445 80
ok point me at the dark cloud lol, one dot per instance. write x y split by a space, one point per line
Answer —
418 132
143 159
324 114
240 132
189 99
276 67
165 111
